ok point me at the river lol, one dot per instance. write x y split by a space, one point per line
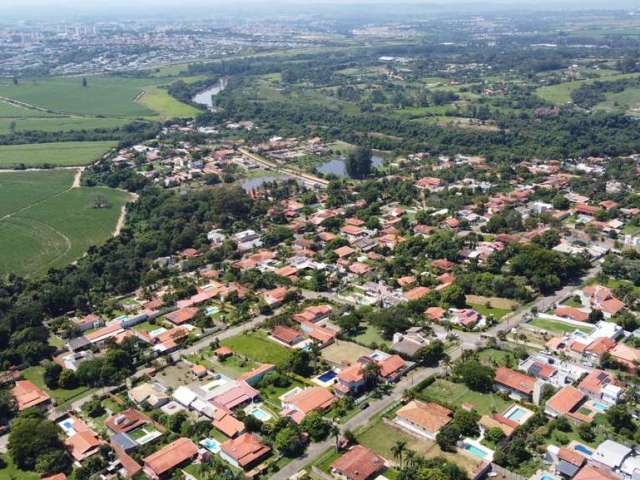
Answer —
205 97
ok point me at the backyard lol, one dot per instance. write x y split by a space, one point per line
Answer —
458 393
557 326
255 346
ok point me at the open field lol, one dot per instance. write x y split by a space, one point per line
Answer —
558 327
458 393
560 94
21 189
58 123
159 100
103 95
257 347
49 224
381 438
58 154
344 353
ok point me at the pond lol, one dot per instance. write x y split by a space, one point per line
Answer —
338 168
256 182
205 97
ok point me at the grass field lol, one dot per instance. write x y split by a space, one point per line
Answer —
557 326
35 376
381 438
47 224
344 353
11 472
457 394
59 154
159 100
59 123
501 358
103 95
257 347
370 335
560 94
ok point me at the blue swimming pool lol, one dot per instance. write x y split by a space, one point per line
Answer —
601 407
515 414
478 452
211 444
546 476
583 449
260 414
327 376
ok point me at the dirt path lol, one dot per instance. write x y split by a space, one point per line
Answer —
76 178
123 214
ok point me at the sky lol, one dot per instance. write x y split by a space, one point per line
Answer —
16 9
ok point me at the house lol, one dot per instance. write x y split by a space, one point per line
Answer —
287 335
244 451
409 343
254 376
227 424
275 297
240 394
467 317
567 402
600 385
572 313
88 322
610 455
589 472
435 314
27 395
313 399
151 393
359 463
424 419
516 384
83 444
416 293
601 298
350 380
161 463
391 367
182 315
126 421
103 334
626 356
313 314
222 353
567 462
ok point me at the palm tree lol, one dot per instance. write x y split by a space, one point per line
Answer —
334 431
410 458
398 449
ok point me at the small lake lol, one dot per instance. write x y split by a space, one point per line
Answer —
206 96
256 182
338 168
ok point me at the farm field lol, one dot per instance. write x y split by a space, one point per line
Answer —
158 99
57 123
48 223
58 154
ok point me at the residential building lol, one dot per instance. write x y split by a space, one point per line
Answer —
424 419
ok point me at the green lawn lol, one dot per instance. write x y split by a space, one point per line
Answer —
56 230
59 154
485 311
369 336
558 327
271 393
257 347
501 358
35 376
457 394
11 472
560 94
59 123
232 367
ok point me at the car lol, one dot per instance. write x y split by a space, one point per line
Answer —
364 405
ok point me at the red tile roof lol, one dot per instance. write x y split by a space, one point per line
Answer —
246 449
592 473
359 463
171 456
311 399
428 416
391 366
27 395
286 334
566 400
227 423
515 380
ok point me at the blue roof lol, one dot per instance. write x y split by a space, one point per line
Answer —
124 441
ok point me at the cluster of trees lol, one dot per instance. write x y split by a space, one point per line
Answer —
464 424
358 163
588 95
475 375
625 266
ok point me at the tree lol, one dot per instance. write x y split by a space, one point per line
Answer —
316 426
51 374
619 417
448 437
495 435
85 84
289 441
398 449
431 354
31 437
453 296
68 379
358 163
476 376
53 461
349 324
94 407
467 422
7 405
252 424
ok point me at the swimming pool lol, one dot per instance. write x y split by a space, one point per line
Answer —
546 476
67 426
515 414
582 449
601 407
211 444
327 376
260 414
476 451
212 311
